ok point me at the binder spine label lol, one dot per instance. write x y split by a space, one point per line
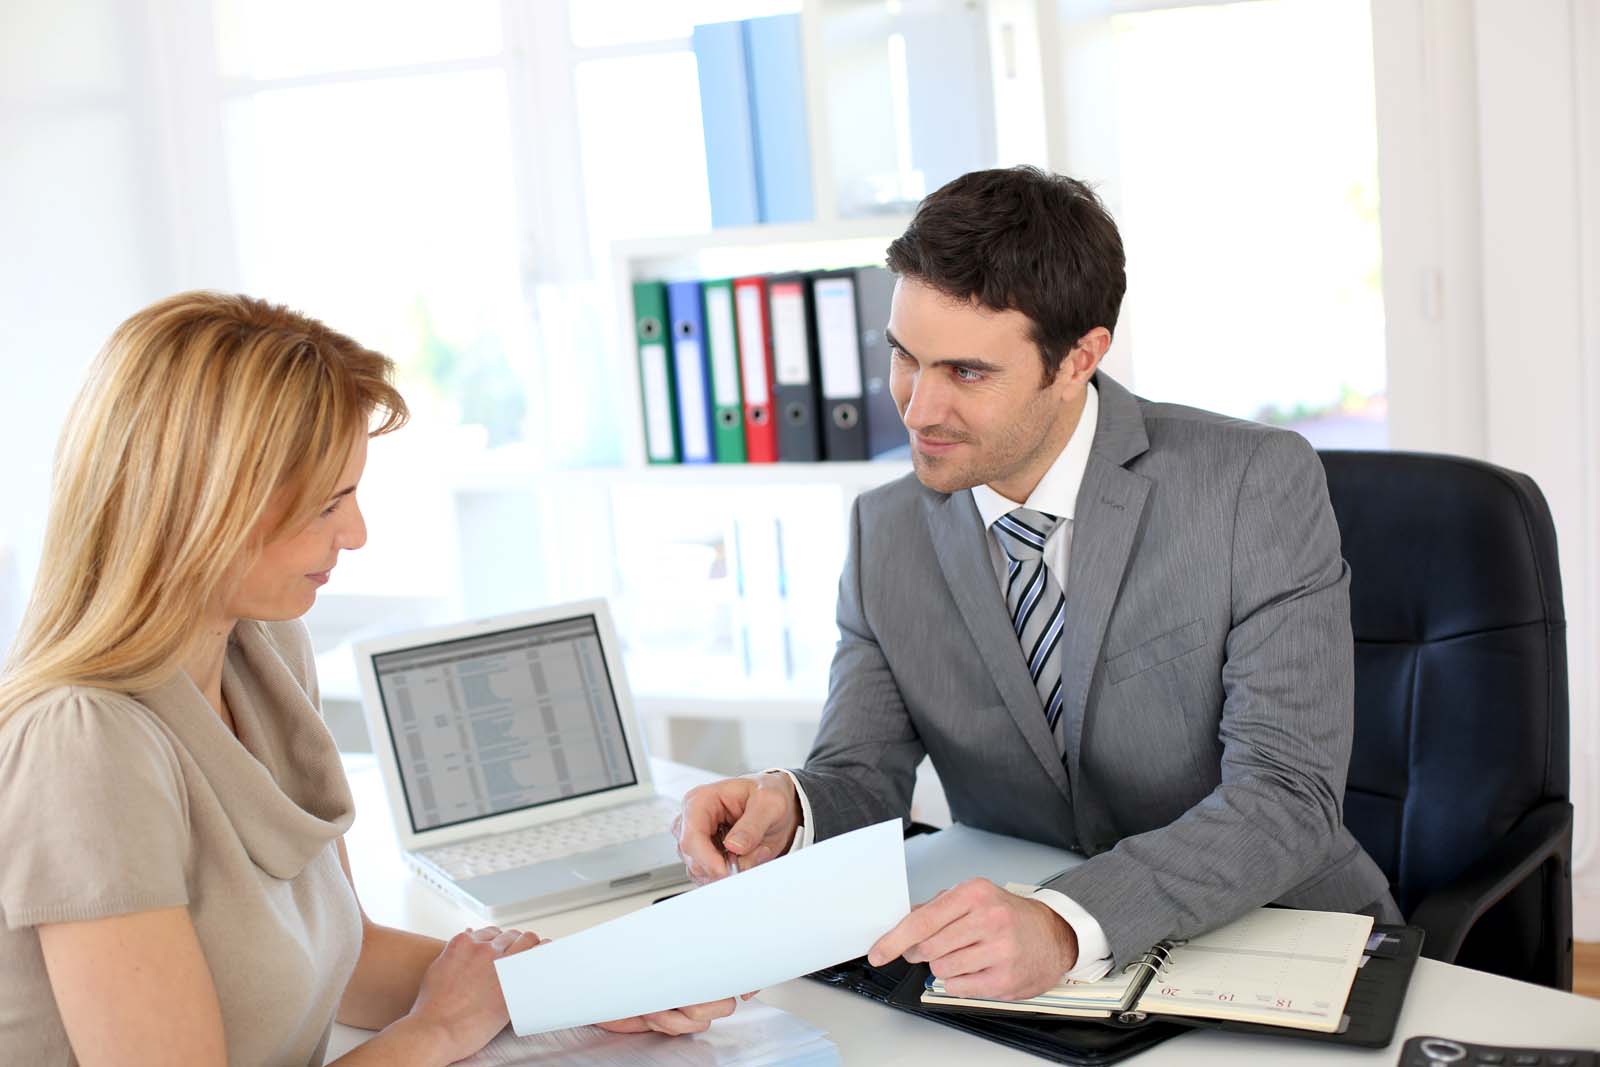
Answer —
752 345
838 338
790 356
724 357
692 392
658 402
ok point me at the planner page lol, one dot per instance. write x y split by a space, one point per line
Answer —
1273 966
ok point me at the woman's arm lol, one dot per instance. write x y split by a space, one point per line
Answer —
388 972
135 991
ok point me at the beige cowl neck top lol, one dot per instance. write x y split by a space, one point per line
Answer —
111 804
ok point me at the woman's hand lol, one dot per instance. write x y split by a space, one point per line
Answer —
690 1020
460 1000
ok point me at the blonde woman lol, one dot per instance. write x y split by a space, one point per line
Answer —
173 880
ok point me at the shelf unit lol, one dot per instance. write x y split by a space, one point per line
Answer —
1005 28
763 706
729 253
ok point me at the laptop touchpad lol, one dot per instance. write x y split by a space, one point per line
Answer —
622 861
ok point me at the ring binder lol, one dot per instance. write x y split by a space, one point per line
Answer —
1370 1004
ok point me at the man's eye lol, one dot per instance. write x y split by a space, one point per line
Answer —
967 374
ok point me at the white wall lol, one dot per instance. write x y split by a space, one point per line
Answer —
1490 171
97 197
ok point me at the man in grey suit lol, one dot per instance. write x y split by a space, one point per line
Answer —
1148 660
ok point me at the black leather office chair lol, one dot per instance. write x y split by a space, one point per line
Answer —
1458 780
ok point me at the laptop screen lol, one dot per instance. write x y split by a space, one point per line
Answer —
503 722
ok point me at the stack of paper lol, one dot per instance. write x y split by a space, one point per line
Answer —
754 1036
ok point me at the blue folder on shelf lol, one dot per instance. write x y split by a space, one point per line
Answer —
753 107
689 365
719 55
775 60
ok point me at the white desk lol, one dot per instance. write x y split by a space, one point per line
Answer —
1444 999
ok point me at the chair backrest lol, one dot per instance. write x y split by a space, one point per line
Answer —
1461 671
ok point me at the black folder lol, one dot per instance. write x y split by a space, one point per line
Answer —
838 333
794 368
886 434
1372 1009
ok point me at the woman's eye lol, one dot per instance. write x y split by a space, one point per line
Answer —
330 509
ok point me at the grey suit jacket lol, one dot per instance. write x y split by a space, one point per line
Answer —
1206 664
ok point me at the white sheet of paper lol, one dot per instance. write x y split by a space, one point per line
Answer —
935 862
810 909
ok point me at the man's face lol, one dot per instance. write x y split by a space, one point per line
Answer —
969 383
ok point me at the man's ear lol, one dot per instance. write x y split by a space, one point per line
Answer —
1085 356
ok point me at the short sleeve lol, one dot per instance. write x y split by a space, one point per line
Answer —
92 812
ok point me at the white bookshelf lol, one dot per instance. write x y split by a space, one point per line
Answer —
829 242
513 474
727 253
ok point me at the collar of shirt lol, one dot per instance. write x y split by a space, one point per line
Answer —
1057 491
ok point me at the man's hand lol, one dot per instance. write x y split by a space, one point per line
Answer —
753 818
984 942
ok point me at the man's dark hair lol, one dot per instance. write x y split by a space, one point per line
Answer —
1020 239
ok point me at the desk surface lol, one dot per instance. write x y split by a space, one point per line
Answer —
1444 999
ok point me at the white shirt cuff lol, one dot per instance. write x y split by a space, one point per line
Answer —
806 835
1094 951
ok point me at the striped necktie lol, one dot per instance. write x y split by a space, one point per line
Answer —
1036 604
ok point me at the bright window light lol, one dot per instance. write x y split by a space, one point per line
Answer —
603 23
298 38
1250 212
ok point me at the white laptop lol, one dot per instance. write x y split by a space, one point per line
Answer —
513 761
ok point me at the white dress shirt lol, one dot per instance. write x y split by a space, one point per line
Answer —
1056 494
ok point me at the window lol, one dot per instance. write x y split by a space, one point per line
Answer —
1246 189
372 185
395 186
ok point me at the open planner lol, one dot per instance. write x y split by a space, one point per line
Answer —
1273 967
1315 976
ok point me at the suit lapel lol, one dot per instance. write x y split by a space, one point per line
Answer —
963 551
1111 503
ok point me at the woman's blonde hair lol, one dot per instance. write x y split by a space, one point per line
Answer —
203 412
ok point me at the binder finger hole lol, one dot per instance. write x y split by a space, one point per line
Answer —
650 328
845 416
795 414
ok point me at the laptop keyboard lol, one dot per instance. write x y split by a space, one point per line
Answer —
566 837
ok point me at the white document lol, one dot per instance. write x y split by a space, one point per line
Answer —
810 909
935 862
838 338
755 1034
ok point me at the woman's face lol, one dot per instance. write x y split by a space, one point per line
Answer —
283 581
